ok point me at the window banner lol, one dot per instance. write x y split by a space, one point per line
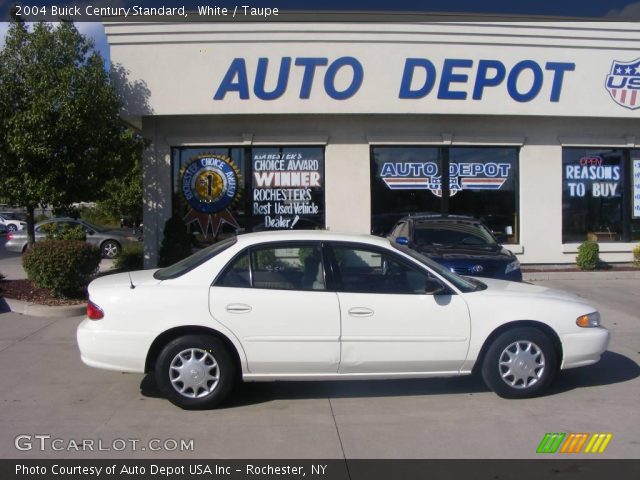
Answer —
287 187
211 185
636 187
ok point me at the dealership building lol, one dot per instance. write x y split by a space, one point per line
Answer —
532 127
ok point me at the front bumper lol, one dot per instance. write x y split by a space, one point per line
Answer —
584 348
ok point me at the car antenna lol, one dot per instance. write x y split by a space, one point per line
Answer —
131 282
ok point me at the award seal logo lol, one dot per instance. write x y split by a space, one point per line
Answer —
210 184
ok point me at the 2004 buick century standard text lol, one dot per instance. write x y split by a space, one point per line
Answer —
324 306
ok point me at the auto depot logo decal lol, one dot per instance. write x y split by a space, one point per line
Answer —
210 184
623 83
462 176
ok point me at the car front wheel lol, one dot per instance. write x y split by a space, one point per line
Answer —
520 363
195 372
13 228
110 249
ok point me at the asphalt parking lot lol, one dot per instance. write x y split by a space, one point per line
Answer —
48 391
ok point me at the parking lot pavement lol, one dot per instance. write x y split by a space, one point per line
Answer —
48 391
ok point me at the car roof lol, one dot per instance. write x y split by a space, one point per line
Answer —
309 235
439 218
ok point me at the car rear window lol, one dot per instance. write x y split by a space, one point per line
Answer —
183 266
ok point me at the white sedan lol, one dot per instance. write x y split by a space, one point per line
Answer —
323 306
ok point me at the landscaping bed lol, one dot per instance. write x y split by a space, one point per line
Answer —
26 291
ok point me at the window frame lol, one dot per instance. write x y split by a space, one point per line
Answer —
336 275
276 245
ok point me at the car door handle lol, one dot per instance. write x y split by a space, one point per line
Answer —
238 308
360 312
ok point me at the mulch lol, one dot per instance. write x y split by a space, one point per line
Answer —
26 291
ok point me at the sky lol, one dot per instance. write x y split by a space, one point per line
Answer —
597 9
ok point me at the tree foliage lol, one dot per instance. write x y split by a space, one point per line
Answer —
61 135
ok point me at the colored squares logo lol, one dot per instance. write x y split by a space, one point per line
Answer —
574 443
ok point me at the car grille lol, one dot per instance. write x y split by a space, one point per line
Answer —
488 271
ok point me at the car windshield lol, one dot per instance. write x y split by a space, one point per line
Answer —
453 233
464 284
183 266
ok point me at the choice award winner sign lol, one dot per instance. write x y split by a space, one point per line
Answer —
210 185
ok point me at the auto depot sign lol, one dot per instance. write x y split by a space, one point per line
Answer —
453 79
536 84
392 69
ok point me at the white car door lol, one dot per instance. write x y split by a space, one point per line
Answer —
273 298
389 323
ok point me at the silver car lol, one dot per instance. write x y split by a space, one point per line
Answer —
110 242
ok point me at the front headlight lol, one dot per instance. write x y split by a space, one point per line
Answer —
515 265
589 321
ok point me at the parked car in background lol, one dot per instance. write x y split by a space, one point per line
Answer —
12 222
3 229
317 305
110 241
462 244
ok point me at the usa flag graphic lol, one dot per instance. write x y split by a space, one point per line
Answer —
623 83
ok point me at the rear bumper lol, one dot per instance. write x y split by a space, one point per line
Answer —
112 350
584 348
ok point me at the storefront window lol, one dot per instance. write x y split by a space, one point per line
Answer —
482 183
596 204
221 191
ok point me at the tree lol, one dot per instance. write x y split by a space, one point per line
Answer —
61 136
123 196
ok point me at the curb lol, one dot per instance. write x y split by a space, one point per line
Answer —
36 310
606 275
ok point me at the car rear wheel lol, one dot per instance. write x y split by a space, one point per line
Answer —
520 363
195 372
110 249
12 228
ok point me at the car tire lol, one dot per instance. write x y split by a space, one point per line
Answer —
12 228
110 249
520 363
211 377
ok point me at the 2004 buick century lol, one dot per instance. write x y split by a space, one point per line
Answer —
315 305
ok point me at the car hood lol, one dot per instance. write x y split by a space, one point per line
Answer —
462 253
504 288
140 277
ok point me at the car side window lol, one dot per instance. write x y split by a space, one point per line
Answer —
237 273
371 271
282 267
287 267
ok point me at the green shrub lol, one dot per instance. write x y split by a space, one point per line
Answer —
57 231
588 255
63 266
176 243
131 258
636 255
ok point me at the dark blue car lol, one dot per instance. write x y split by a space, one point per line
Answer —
462 244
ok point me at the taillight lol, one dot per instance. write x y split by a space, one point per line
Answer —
94 312
9 236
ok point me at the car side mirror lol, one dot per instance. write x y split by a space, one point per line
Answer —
402 241
434 287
